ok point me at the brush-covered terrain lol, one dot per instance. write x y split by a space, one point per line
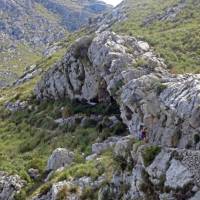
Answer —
70 124
171 27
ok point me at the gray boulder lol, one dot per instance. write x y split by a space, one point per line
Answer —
178 176
98 148
60 158
34 173
158 168
10 185
196 196
123 146
16 106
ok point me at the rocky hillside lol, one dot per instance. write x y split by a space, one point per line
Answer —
28 27
171 27
70 127
125 69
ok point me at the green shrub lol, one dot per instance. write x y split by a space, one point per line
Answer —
80 170
140 63
21 195
63 193
149 154
89 194
66 191
122 162
36 163
159 87
29 145
45 188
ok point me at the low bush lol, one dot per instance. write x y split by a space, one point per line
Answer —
159 87
21 195
45 188
64 192
89 194
149 154
140 63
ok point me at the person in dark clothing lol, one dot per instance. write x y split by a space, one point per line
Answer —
144 134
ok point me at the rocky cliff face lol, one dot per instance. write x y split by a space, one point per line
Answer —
110 66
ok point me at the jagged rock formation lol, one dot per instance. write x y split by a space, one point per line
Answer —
93 65
172 174
111 66
10 185
168 174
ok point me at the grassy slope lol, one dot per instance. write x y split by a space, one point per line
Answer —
28 137
178 42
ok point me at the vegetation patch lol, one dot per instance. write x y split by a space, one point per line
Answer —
149 154
176 40
140 63
159 87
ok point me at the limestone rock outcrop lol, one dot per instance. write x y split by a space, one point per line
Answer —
170 173
60 158
166 177
10 185
109 66
177 176
16 106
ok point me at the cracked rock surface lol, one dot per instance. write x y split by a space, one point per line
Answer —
109 66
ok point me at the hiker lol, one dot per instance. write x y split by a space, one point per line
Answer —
143 134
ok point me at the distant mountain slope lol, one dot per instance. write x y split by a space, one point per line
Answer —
28 26
172 27
39 22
